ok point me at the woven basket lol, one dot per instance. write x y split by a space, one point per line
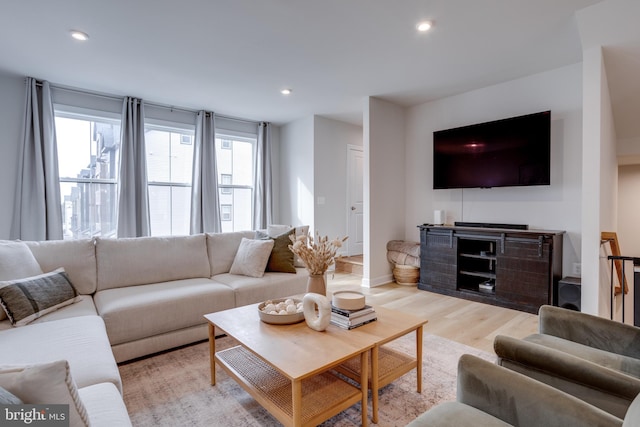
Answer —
406 274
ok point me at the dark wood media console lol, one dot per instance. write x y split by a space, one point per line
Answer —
510 268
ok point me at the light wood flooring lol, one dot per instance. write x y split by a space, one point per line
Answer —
467 322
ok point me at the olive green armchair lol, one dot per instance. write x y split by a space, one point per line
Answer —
589 357
489 395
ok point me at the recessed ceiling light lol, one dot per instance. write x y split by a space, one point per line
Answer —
286 91
79 35
424 26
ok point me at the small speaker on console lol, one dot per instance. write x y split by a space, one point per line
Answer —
569 293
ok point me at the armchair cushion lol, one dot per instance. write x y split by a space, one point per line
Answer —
605 388
592 331
618 362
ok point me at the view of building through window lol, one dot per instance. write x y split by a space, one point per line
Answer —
235 181
88 159
169 169
88 155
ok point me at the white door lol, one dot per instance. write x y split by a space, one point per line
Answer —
355 202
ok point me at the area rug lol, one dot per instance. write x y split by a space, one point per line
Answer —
173 389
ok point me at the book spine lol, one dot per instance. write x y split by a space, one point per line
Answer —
351 321
349 327
352 314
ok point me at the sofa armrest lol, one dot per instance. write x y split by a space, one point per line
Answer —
522 401
593 331
605 388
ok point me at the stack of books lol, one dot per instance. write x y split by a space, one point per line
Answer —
349 319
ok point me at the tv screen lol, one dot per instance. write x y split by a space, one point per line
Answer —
502 153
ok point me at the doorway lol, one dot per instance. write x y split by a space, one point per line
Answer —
355 200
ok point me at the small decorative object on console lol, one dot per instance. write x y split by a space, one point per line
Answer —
281 311
320 319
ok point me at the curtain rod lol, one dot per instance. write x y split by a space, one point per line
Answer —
152 104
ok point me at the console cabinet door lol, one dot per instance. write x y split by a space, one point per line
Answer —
524 272
438 255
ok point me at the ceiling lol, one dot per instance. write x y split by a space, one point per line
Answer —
234 56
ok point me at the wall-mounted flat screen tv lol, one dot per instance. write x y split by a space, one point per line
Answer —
503 153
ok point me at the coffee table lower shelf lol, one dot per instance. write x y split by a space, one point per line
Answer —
392 365
323 395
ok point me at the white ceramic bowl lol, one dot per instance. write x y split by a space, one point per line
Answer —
280 319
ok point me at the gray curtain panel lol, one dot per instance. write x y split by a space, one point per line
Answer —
37 211
262 190
205 203
133 195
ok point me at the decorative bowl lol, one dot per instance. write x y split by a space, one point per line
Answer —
348 300
280 319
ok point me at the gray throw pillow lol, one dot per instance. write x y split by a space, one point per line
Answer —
8 398
25 300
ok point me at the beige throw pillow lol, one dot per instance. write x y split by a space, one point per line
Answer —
48 384
252 257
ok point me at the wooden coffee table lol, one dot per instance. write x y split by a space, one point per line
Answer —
387 364
287 368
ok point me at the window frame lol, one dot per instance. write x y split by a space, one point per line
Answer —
88 115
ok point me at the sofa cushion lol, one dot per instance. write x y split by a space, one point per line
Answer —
105 406
143 260
252 257
46 383
83 306
281 257
78 257
82 341
25 300
222 248
137 312
16 262
249 290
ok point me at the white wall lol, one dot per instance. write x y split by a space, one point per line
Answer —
599 197
554 207
12 91
384 191
297 173
331 138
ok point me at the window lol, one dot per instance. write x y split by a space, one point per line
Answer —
88 156
225 184
169 166
225 212
235 180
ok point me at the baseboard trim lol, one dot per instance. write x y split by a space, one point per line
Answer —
378 281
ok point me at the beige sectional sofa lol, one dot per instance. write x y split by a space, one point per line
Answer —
136 297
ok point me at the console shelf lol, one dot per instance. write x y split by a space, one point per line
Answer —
512 268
